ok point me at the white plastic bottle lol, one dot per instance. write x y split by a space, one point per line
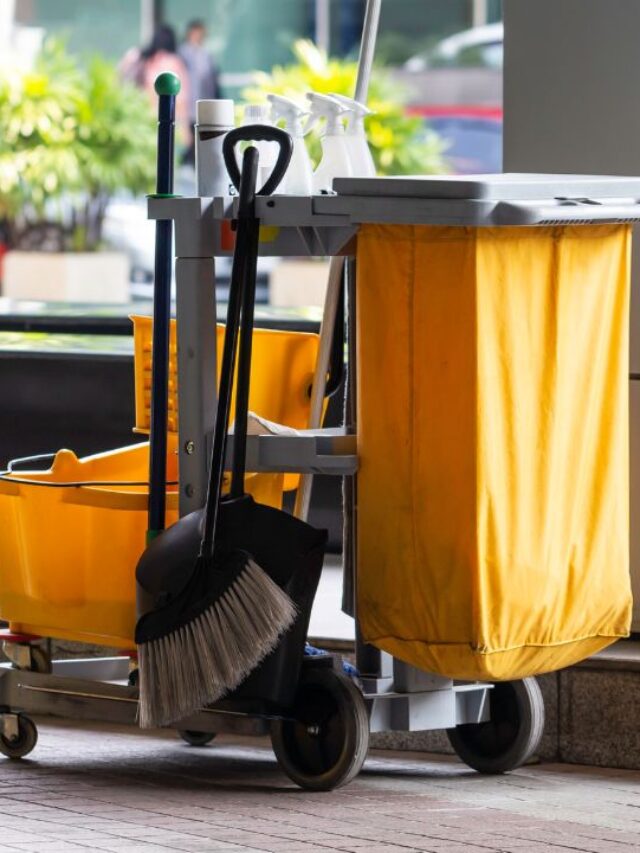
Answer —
268 151
298 177
362 165
213 119
335 161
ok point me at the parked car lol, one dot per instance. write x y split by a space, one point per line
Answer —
477 47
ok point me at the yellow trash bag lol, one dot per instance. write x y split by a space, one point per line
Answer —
492 519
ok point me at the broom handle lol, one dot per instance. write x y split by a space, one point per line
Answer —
167 86
238 276
285 144
244 361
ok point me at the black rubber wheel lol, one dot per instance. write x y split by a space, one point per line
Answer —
511 736
26 740
324 742
197 738
133 678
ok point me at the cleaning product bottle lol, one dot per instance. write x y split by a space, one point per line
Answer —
213 119
335 161
298 177
362 165
268 151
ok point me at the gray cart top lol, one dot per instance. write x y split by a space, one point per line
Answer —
500 187
501 199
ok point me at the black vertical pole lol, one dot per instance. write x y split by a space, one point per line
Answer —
167 86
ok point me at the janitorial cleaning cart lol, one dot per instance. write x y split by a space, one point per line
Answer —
483 454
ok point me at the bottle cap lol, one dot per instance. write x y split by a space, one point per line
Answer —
215 112
256 113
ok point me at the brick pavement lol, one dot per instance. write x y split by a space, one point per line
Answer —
115 790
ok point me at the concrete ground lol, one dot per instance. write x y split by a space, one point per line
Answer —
112 789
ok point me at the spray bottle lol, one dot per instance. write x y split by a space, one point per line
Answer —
335 161
362 165
298 178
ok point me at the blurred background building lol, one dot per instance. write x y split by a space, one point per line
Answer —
437 91
447 52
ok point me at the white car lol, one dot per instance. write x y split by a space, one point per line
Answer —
479 47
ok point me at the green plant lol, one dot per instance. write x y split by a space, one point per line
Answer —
73 135
401 144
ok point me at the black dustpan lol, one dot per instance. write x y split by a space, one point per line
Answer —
235 551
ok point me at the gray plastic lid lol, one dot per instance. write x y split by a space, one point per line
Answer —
500 187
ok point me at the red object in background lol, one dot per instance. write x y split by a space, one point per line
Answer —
458 110
3 251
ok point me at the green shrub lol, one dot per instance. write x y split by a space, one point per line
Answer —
73 135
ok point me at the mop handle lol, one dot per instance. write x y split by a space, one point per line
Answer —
167 86
336 268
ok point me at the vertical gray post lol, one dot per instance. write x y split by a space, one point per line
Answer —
571 105
367 49
196 316
323 24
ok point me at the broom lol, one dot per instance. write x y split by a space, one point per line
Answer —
203 641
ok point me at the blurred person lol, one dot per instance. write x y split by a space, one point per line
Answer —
141 66
203 74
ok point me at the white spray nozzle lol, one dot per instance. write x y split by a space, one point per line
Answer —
328 107
355 111
290 111
282 107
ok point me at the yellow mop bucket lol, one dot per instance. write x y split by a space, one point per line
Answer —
493 522
282 370
68 551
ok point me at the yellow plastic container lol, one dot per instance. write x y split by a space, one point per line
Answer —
68 553
288 356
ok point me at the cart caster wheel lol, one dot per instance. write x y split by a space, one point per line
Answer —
40 660
133 678
512 734
197 738
325 744
28 658
23 741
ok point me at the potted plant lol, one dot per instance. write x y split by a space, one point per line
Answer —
73 136
400 143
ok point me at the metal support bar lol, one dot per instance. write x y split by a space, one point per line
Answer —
81 699
196 316
315 451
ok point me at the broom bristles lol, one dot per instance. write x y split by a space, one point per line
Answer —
203 660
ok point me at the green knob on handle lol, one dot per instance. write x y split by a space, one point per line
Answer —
167 83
